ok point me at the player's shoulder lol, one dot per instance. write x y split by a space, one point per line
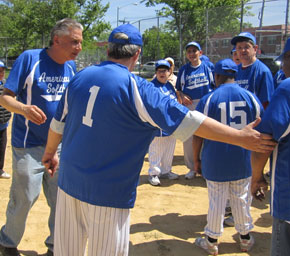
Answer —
262 67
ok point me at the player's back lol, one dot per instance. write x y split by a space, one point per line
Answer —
236 107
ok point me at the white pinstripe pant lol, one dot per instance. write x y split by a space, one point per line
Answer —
239 193
160 155
106 229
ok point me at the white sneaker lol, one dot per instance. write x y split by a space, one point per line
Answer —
5 175
154 180
190 175
246 244
170 175
211 248
229 221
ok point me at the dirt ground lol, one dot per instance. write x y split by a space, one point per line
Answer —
165 221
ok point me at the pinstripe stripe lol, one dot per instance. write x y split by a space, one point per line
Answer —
105 228
240 200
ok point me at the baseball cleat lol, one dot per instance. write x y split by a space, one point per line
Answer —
211 248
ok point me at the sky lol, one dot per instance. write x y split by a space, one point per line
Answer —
132 11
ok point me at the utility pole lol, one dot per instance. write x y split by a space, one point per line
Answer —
242 16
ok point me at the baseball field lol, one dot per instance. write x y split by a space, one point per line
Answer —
165 221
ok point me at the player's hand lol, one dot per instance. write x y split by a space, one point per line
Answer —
34 114
50 162
258 188
256 141
186 100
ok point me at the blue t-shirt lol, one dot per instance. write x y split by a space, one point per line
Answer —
278 78
38 80
110 117
195 82
166 89
276 121
234 106
258 79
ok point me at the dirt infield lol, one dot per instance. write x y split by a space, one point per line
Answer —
165 221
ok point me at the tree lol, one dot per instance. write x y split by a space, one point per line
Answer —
159 44
28 22
196 19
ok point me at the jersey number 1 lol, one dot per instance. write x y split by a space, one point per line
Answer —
87 118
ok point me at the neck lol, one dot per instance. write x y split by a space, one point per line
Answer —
126 62
196 63
54 54
249 62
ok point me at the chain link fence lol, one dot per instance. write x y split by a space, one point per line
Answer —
267 20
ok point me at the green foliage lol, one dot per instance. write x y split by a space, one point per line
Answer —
159 44
196 19
27 23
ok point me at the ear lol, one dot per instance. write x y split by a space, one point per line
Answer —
201 52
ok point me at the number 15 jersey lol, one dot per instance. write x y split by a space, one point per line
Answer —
234 106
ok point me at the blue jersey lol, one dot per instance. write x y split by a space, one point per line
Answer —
278 78
258 79
195 82
110 117
36 79
276 121
236 107
166 89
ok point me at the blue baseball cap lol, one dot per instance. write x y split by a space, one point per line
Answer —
222 66
286 49
193 44
2 65
134 36
233 50
241 36
204 58
163 63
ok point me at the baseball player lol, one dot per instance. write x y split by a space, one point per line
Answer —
194 80
106 122
253 74
161 149
225 167
5 116
278 78
276 122
235 56
172 78
32 91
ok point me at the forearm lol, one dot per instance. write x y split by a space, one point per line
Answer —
53 141
258 162
213 130
196 144
11 104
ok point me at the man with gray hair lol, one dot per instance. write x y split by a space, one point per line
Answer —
32 91
106 121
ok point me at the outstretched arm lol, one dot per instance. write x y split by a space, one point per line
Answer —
50 157
247 138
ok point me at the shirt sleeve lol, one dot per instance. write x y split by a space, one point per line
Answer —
276 118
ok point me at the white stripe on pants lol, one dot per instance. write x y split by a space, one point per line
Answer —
160 155
239 193
106 229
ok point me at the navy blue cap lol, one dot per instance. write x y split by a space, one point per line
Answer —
243 35
160 63
222 66
2 65
286 49
193 44
134 36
